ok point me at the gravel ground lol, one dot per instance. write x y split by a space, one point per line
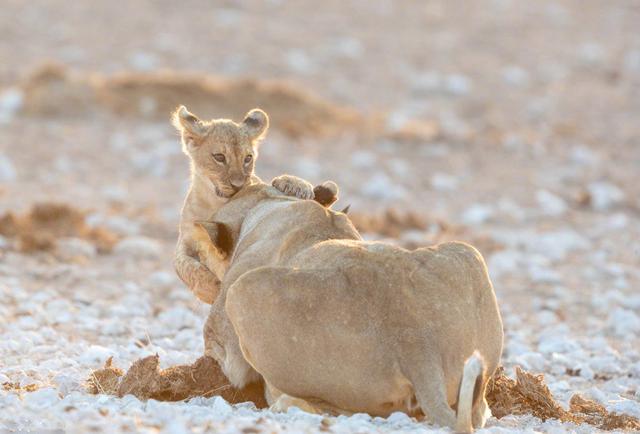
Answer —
509 124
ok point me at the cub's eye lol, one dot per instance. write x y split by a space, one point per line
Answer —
248 159
219 158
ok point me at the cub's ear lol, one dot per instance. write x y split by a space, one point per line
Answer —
256 124
192 128
326 193
218 234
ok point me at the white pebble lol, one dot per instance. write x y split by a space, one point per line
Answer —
556 344
139 247
477 214
299 61
7 170
308 168
515 76
458 84
550 203
42 398
221 407
398 417
96 354
11 101
444 182
143 61
583 156
380 186
363 159
604 195
70 248
623 322
532 361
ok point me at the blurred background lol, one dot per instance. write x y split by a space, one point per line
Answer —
511 124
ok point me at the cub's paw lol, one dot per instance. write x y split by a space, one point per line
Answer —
207 285
293 186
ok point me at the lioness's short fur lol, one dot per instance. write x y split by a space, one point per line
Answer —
222 154
338 324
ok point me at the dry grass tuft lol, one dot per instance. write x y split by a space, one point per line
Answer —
105 380
38 229
390 224
528 394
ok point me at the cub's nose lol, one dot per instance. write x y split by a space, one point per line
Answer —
237 184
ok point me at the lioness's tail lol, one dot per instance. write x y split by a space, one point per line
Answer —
472 378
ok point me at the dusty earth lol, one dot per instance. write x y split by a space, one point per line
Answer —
512 125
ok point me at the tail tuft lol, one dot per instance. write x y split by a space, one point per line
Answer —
472 377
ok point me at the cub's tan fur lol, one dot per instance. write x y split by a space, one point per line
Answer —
222 154
338 324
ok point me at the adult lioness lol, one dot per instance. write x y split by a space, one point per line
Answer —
345 325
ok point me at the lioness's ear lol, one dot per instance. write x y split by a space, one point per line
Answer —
192 128
219 234
256 124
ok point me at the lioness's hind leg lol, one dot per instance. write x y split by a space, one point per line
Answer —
430 388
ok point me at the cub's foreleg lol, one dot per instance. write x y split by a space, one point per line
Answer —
203 281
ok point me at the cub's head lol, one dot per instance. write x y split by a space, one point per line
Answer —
222 152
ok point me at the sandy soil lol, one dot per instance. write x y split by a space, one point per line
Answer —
509 124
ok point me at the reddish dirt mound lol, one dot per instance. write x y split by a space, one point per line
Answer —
52 90
146 380
528 394
39 228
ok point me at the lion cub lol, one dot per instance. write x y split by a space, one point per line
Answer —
222 155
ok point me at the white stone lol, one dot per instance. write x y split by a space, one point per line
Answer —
226 16
380 186
70 248
398 417
7 170
118 224
96 354
143 61
139 247
515 76
308 168
42 398
532 361
299 61
427 83
220 407
556 344
592 53
458 84
349 47
604 195
624 322
162 279
550 203
584 156
477 214
11 101
632 61
444 182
